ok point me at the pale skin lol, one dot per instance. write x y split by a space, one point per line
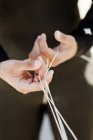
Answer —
16 73
67 48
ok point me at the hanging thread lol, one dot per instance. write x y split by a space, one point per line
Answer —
59 120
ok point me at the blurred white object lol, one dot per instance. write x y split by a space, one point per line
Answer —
88 31
46 130
89 70
89 73
91 50
84 6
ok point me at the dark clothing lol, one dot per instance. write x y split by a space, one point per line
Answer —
20 23
3 54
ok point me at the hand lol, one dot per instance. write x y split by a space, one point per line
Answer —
16 73
66 49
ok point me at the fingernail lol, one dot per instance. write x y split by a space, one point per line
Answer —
51 72
57 34
43 35
39 37
37 63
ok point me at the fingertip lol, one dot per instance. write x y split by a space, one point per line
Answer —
43 36
49 76
36 41
37 63
51 72
39 36
57 34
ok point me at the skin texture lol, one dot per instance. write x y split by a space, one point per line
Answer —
67 48
16 73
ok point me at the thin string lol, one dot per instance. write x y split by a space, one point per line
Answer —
62 133
52 101
41 86
56 110
56 114
51 62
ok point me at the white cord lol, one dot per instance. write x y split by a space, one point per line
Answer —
51 99
59 120
62 129
50 107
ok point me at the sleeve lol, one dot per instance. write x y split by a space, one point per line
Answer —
84 33
3 54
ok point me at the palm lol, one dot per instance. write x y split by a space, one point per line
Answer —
16 73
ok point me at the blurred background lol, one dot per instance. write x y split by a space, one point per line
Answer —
46 130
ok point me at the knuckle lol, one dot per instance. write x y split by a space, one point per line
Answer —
23 91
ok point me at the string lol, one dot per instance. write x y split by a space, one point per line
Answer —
61 125
62 129
51 63
50 106
59 113
56 111
56 114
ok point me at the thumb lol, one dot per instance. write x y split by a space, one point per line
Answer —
29 65
61 37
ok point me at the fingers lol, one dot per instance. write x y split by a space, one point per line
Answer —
26 86
35 51
37 86
63 38
42 70
28 65
45 50
41 48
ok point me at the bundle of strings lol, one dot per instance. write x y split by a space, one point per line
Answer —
59 120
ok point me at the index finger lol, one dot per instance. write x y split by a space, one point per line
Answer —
45 50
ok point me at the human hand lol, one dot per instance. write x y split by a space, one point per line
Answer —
16 73
66 49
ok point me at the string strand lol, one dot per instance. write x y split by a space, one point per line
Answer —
56 114
68 127
41 86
